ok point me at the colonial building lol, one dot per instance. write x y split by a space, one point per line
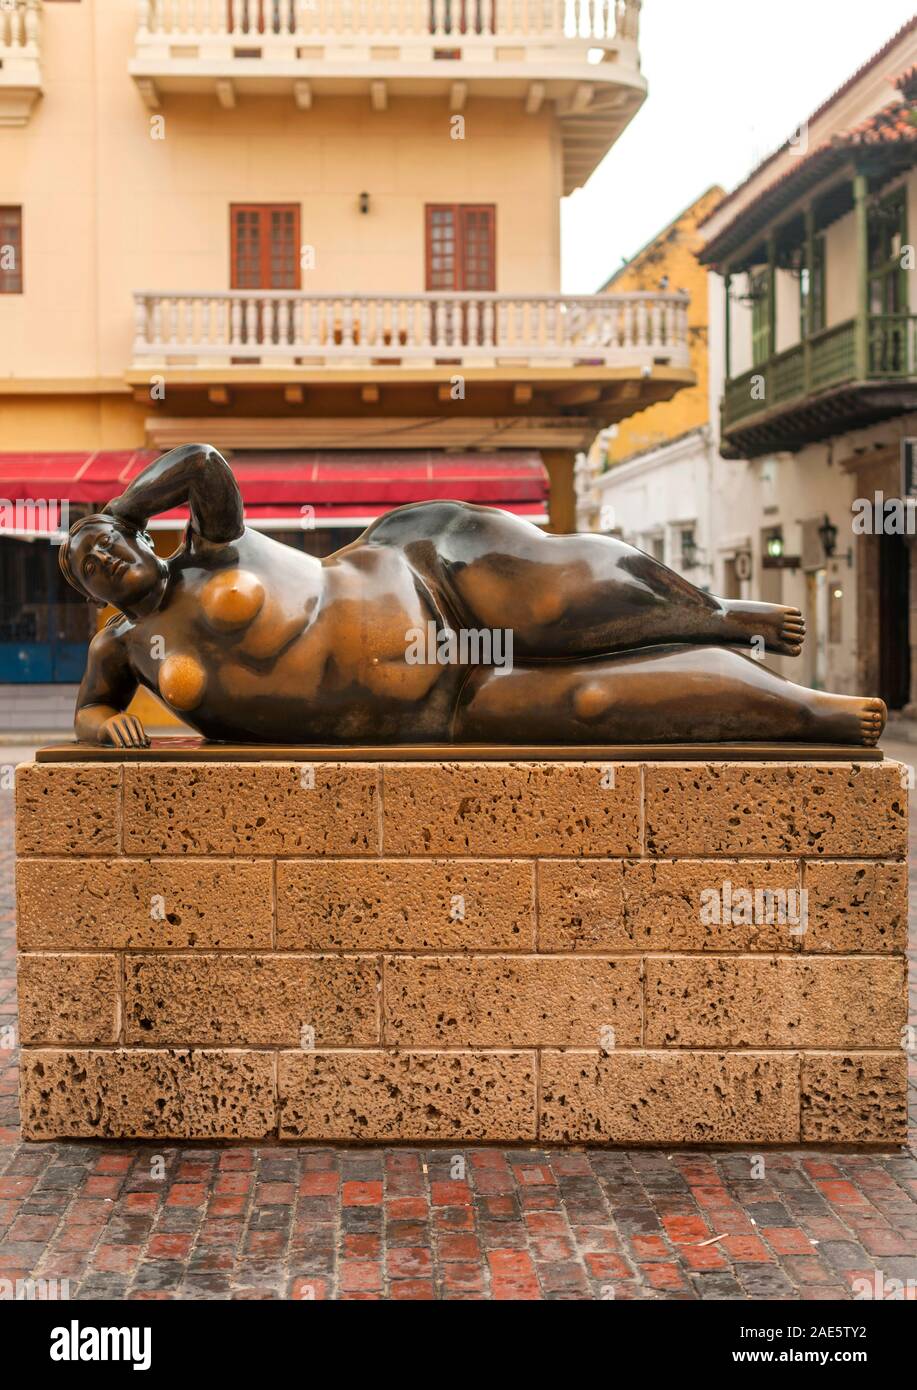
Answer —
816 327
321 235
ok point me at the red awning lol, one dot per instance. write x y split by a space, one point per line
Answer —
76 478
287 489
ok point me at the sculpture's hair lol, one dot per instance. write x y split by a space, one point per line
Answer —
95 519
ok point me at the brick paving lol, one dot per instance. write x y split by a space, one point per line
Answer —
145 1221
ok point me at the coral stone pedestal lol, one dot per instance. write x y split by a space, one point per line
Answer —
603 948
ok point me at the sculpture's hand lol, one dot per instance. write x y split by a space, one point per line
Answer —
123 731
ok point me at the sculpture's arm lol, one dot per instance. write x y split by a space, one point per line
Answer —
107 689
195 473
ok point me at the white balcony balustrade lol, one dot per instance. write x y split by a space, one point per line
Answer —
275 25
282 327
20 59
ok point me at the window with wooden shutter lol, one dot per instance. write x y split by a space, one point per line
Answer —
461 247
10 250
265 246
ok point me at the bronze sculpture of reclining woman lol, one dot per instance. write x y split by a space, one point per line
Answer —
250 640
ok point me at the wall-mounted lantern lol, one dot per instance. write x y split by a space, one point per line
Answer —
774 546
691 557
827 534
775 556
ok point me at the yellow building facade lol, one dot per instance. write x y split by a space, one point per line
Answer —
670 258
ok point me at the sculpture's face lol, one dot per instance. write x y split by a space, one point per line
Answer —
114 566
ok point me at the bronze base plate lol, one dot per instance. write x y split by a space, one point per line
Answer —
197 750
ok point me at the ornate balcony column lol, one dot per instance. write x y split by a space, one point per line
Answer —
860 195
771 296
727 320
809 325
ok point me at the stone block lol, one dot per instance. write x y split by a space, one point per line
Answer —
147 1094
69 999
68 808
157 904
383 1096
529 1001
515 809
405 905
854 1097
251 808
696 810
647 1098
181 1000
774 1001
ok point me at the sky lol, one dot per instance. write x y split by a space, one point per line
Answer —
729 81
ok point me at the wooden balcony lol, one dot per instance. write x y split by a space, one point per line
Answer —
820 388
582 55
20 59
638 331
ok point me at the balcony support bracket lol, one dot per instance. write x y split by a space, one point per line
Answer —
534 98
226 93
149 93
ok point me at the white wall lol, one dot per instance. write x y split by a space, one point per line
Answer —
661 492
840 270
787 294
740 325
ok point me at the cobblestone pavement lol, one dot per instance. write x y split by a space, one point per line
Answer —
147 1221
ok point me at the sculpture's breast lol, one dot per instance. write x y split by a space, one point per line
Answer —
232 599
258 622
182 681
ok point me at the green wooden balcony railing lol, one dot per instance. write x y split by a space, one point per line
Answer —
891 346
827 359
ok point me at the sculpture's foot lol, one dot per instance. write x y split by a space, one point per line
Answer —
849 718
783 629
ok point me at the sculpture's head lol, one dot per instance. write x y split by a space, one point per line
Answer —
109 561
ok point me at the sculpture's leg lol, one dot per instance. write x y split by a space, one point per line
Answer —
569 596
690 694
